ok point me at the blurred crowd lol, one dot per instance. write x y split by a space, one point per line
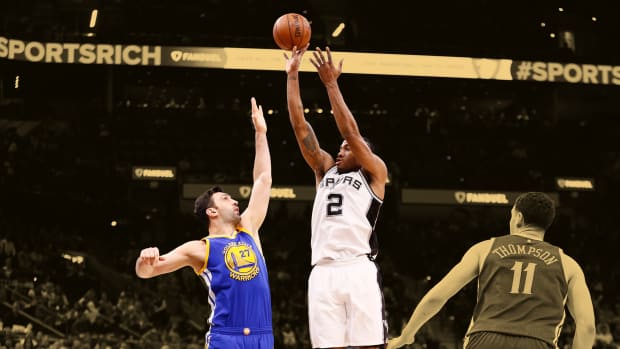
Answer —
72 221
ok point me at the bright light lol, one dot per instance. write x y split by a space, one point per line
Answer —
89 35
306 110
73 259
552 35
16 81
113 223
319 110
543 24
338 30
561 9
93 18
593 19
270 111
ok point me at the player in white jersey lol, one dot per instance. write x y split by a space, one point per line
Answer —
345 302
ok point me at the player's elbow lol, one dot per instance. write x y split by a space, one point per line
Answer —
437 296
585 328
142 272
264 179
435 300
300 127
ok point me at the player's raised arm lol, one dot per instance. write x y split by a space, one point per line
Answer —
318 159
345 121
150 263
254 215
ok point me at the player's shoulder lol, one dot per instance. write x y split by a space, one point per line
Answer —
483 246
570 265
479 250
194 245
244 230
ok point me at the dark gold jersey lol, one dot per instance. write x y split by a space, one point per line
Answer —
522 289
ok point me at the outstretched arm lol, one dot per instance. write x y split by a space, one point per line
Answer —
346 123
150 263
460 275
579 303
254 215
318 159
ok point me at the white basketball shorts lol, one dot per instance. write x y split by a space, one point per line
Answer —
345 304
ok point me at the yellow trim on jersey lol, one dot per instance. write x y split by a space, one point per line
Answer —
234 235
254 237
207 249
242 229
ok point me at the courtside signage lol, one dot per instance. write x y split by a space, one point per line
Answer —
243 191
154 173
462 197
574 184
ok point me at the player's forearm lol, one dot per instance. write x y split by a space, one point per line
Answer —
428 307
262 158
294 103
347 126
306 139
584 336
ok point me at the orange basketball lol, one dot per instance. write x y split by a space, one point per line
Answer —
290 30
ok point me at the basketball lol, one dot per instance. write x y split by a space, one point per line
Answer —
290 30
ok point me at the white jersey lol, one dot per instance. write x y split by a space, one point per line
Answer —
343 217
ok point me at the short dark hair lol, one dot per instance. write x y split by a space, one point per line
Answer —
538 209
203 202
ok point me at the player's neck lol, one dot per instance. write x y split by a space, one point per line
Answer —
531 233
225 230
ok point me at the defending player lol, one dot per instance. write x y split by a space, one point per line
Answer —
524 283
229 259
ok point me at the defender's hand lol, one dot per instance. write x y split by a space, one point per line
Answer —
397 343
257 117
150 256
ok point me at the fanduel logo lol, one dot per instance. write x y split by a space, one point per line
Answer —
176 55
245 191
203 57
480 198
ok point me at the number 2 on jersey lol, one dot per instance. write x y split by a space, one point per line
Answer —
517 268
334 207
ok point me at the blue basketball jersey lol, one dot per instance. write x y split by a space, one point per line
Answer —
235 274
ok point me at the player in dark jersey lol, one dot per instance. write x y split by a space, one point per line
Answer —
229 260
524 285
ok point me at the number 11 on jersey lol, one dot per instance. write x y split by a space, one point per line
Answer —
517 268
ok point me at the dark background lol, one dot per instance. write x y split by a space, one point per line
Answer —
69 135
